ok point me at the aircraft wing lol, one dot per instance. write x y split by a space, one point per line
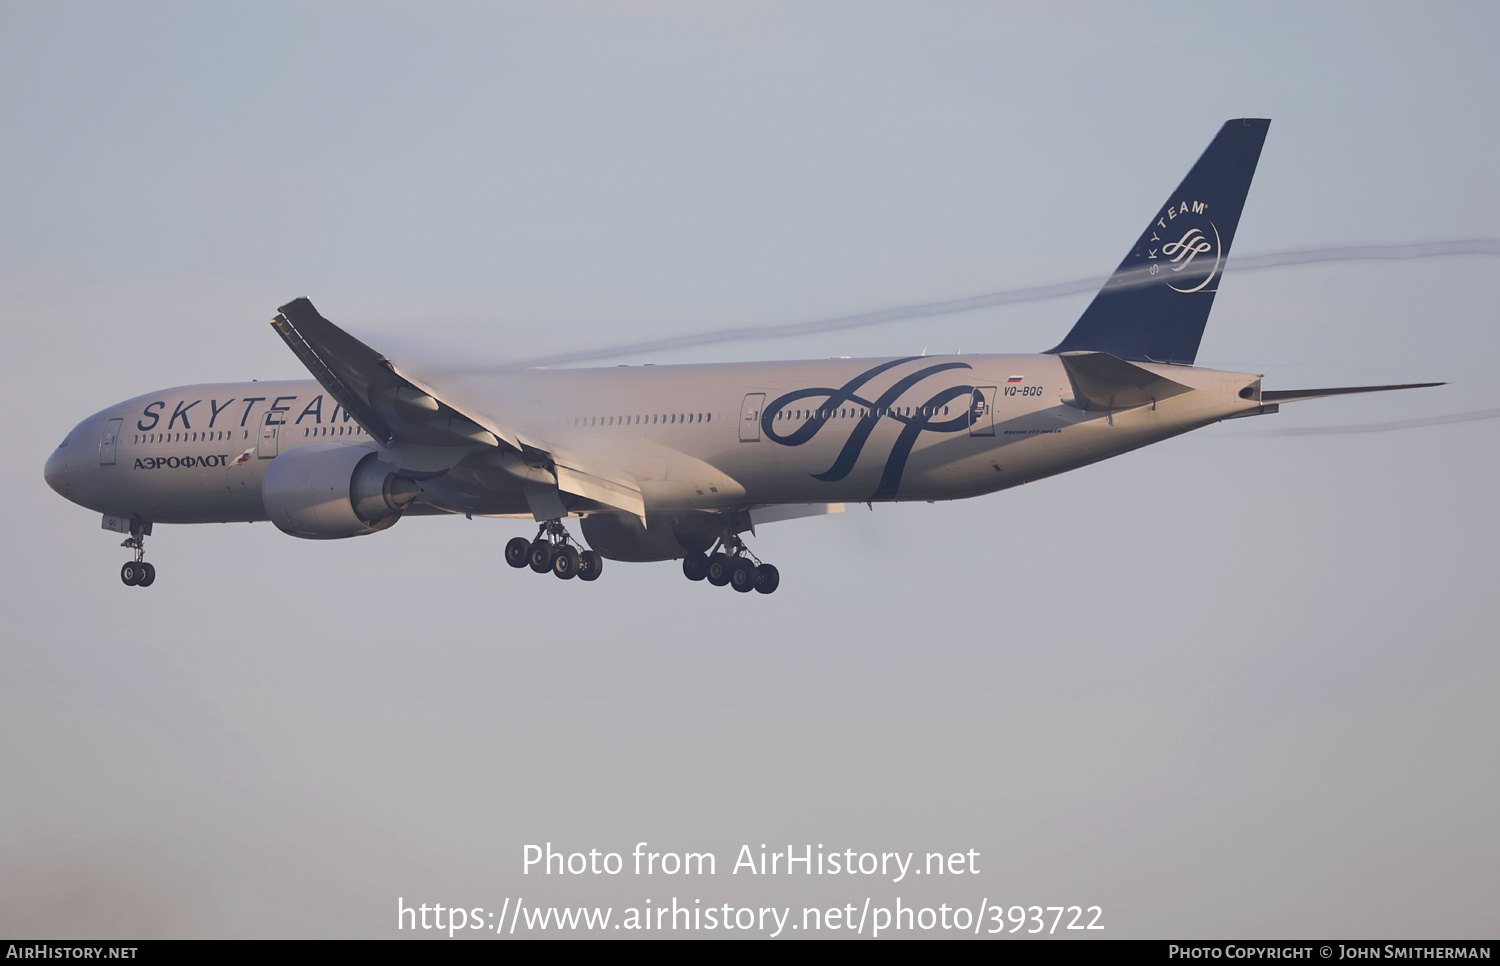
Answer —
396 407
389 405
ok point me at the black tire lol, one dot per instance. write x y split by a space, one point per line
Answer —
742 576
718 569
695 566
518 552
539 556
148 575
590 565
565 563
130 573
767 579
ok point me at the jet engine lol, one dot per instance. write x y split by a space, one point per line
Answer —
668 537
324 491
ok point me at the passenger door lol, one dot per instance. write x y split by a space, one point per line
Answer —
750 417
270 436
109 441
982 411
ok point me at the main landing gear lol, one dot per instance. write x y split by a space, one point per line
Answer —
554 550
137 572
732 563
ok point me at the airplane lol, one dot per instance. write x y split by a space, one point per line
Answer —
678 462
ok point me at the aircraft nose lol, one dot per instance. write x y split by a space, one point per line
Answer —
56 470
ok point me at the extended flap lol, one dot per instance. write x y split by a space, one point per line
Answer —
618 493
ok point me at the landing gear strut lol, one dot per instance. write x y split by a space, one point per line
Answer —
554 550
137 572
731 563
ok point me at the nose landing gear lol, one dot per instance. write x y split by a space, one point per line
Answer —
137 572
554 550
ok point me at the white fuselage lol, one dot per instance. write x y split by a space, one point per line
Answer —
691 437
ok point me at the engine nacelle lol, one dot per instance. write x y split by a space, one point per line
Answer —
668 537
324 491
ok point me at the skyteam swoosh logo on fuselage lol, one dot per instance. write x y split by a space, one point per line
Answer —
922 418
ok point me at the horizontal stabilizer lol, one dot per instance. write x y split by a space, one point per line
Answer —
1102 382
1297 395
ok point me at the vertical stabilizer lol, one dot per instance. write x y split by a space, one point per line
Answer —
1154 307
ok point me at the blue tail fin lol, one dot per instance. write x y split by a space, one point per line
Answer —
1154 307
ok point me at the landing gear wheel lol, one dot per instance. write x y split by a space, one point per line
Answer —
767 579
130 573
565 563
695 566
742 576
518 552
539 556
589 565
718 569
148 575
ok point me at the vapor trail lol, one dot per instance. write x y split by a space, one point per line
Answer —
1388 427
1037 293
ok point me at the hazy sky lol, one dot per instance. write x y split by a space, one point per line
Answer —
1240 684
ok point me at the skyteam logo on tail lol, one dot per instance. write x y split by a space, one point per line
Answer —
1192 242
